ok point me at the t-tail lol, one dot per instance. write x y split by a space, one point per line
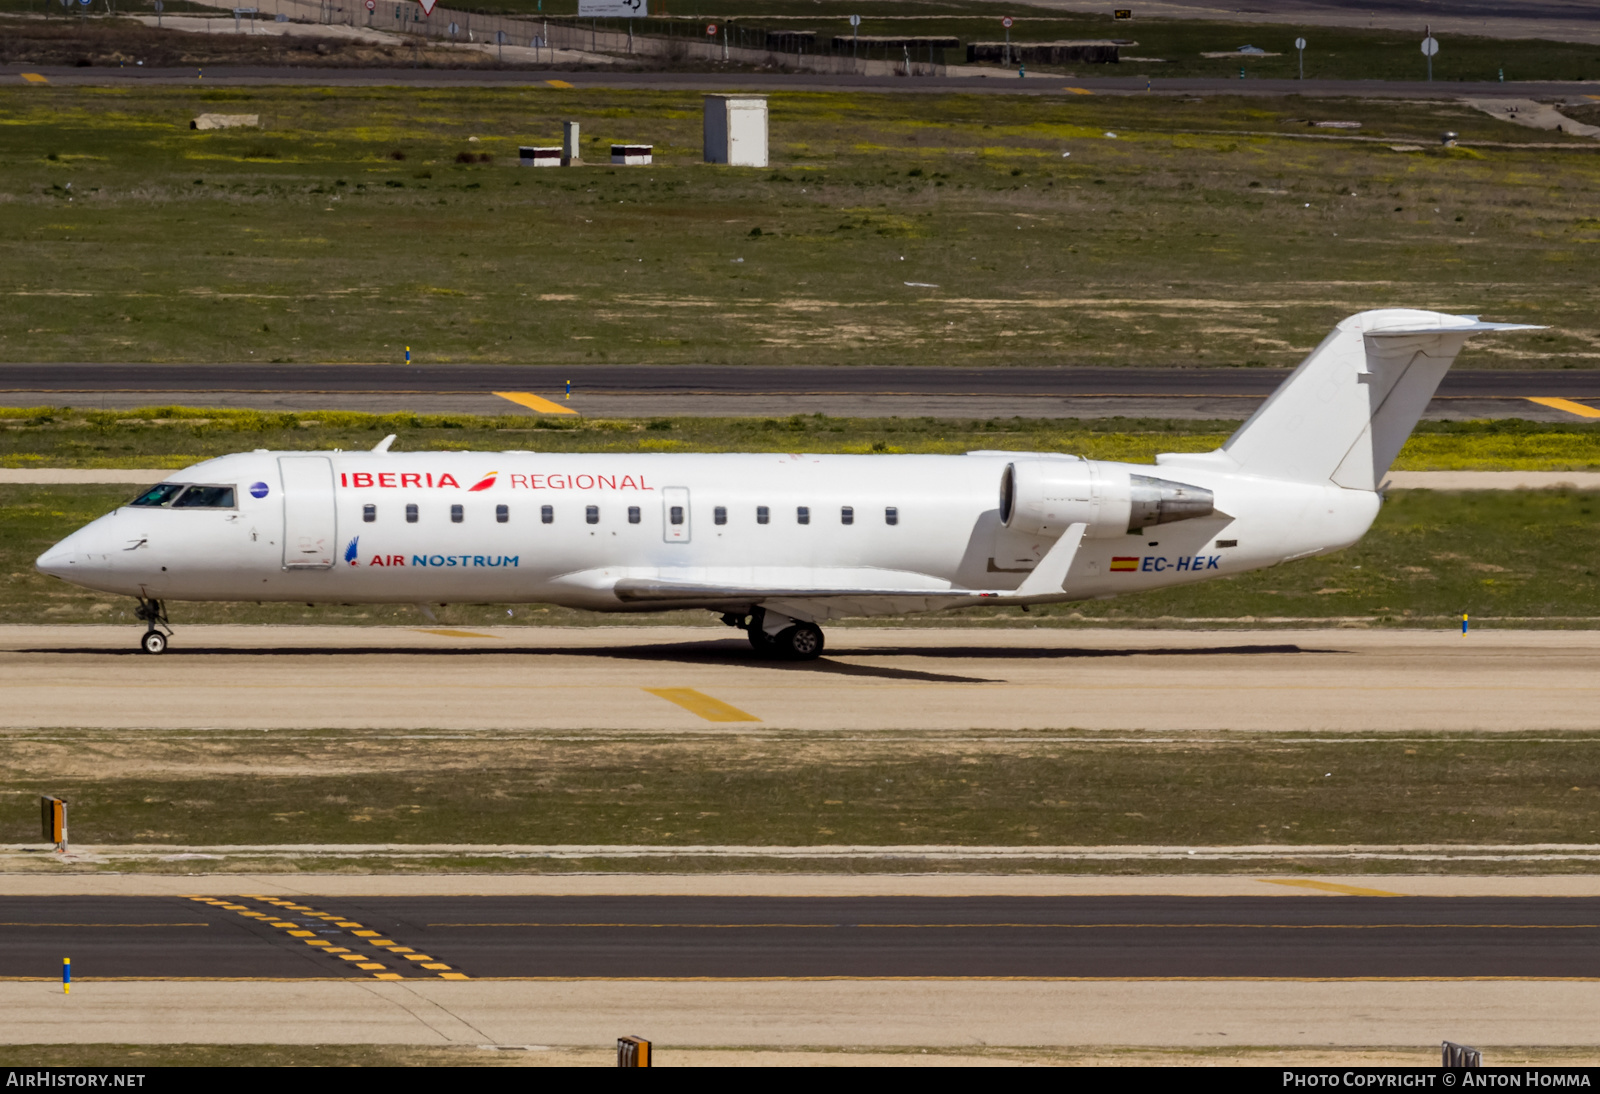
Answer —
1343 415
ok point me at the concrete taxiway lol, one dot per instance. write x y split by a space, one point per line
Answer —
706 678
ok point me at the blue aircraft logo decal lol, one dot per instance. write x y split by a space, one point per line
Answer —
351 551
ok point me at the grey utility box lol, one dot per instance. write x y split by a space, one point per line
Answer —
736 130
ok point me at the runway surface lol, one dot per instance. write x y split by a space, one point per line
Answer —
871 679
659 937
647 391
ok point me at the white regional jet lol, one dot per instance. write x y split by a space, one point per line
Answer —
776 544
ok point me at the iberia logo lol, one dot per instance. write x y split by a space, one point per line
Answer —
484 483
350 551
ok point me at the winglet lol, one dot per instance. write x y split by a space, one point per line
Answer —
383 445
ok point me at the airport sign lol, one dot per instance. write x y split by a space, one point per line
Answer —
613 9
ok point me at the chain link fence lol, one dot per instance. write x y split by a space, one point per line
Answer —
673 40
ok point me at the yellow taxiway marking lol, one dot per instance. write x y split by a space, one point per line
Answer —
712 710
1327 887
1567 405
1067 926
535 402
105 924
558 83
1078 90
456 634
34 78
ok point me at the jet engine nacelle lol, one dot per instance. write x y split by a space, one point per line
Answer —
1042 497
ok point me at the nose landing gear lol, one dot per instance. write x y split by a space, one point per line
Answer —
154 614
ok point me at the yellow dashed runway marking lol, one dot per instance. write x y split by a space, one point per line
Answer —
1567 405
535 402
34 78
712 710
558 83
1078 90
457 634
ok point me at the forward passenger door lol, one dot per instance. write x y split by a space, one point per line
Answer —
310 534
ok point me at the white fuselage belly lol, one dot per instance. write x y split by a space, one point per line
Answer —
947 532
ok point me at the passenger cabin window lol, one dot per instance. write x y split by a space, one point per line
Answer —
802 514
847 515
719 515
891 515
591 514
633 514
369 513
675 514
457 514
502 514
762 515
158 495
205 497
411 513
547 514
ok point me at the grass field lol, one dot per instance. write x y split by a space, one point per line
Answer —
175 437
1510 558
974 788
942 229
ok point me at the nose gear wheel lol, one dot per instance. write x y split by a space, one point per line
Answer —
154 615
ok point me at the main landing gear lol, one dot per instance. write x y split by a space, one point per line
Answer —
154 614
778 636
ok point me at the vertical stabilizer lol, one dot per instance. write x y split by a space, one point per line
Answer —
1343 415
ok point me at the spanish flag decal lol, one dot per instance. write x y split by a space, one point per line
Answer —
1123 564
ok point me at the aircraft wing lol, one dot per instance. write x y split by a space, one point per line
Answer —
638 590
825 602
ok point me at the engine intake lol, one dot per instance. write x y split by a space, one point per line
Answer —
1042 497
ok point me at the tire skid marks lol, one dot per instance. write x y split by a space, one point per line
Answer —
292 918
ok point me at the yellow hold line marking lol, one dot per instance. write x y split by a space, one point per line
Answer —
34 78
1567 405
558 83
1327 887
456 634
712 710
535 402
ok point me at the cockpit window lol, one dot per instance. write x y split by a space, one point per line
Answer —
160 494
205 497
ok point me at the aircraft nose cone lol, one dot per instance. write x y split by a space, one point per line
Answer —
57 561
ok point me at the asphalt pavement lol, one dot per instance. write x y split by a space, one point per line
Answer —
625 391
475 937
1002 82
